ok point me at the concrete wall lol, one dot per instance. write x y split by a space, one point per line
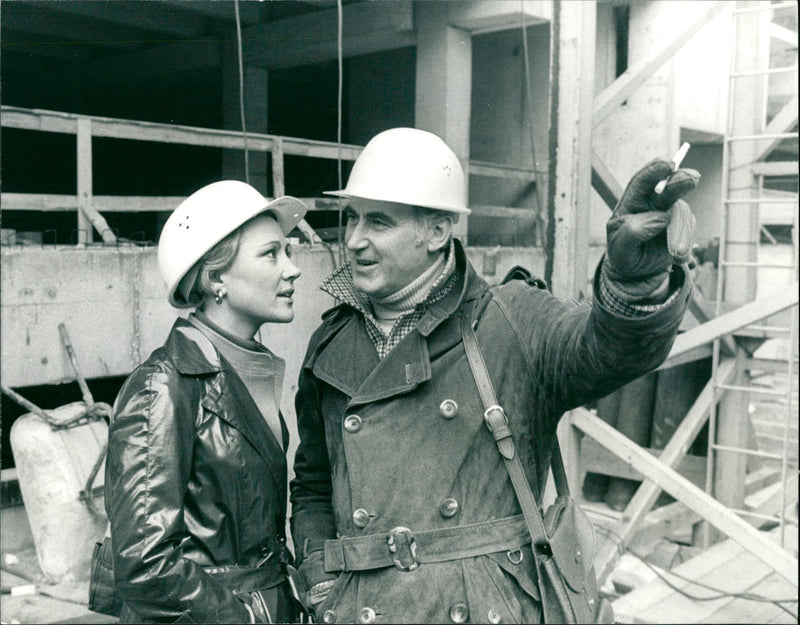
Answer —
114 324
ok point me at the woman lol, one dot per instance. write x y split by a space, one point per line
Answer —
196 472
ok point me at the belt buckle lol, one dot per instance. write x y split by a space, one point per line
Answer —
402 544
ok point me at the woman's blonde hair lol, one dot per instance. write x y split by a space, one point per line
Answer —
216 260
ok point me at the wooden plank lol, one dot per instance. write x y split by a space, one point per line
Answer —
775 168
662 522
495 170
681 489
597 459
783 122
648 492
87 214
278 184
735 320
604 182
735 576
772 586
54 121
701 351
501 211
769 499
619 90
628 607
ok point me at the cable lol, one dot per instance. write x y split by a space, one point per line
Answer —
339 124
241 91
720 593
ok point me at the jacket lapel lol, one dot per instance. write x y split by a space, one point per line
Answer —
229 399
350 363
348 359
226 395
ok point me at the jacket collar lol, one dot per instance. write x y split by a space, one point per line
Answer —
191 350
366 378
193 353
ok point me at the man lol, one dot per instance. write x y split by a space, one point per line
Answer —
395 466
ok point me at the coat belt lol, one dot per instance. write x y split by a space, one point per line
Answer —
406 549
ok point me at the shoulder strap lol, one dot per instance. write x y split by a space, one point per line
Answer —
471 316
497 422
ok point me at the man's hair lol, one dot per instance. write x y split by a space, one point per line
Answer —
431 216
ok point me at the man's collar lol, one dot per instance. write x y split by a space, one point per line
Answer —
340 284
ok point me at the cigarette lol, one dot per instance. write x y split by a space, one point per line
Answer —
676 162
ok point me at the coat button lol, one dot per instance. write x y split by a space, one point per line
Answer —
493 617
367 615
448 408
459 613
328 616
448 508
361 517
352 423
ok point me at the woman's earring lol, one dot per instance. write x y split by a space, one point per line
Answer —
219 296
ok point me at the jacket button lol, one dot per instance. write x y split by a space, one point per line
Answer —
494 617
352 423
448 508
367 615
329 616
459 613
448 408
361 517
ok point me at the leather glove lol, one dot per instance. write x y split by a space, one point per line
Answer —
638 260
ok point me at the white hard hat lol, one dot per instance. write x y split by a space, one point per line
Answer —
205 218
408 166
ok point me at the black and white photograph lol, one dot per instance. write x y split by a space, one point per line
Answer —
399 311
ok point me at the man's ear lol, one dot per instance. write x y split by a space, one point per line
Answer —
441 231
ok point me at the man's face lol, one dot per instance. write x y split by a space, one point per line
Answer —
387 245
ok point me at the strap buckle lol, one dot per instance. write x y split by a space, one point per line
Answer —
495 417
402 544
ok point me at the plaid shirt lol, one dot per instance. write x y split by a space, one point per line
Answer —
340 285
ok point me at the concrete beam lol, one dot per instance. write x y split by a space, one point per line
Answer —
312 38
493 15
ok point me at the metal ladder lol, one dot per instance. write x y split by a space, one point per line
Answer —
750 139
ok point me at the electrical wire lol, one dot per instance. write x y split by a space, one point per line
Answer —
721 594
241 91
339 56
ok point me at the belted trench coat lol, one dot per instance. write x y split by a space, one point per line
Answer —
401 442
195 481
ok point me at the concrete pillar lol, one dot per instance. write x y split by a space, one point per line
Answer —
572 44
255 101
444 82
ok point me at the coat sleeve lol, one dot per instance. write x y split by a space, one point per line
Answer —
311 490
579 352
147 473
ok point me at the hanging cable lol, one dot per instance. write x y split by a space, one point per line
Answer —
241 91
339 123
529 99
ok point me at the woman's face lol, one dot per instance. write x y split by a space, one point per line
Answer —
259 283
